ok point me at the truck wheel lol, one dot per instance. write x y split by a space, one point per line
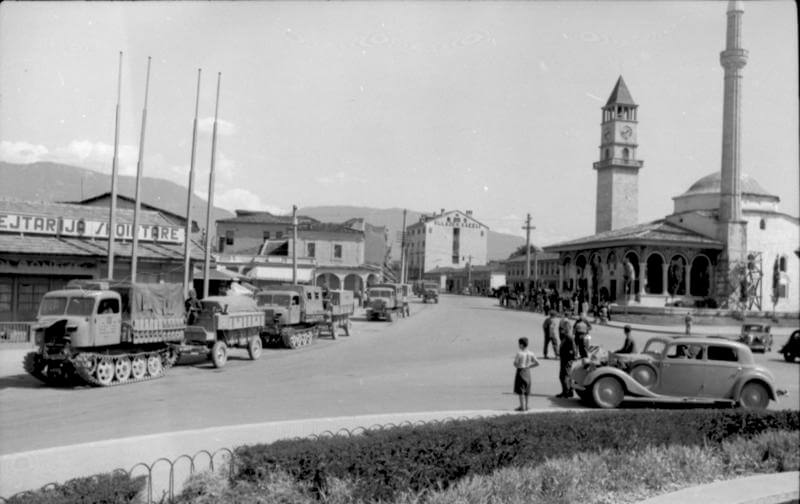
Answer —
254 347
219 354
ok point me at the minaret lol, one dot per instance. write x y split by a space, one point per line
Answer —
618 168
733 231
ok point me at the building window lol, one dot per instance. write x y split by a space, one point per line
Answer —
782 264
266 235
625 154
311 249
228 237
337 251
762 224
278 235
221 243
456 244
5 294
607 154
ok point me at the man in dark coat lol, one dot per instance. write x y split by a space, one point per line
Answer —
581 330
566 353
629 346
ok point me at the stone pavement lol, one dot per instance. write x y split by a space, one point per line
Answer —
779 488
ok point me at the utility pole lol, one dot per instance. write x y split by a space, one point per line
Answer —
294 244
527 227
403 251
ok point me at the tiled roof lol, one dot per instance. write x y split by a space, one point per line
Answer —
254 217
71 211
327 227
620 95
53 246
540 255
656 232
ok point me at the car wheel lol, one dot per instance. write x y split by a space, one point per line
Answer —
607 392
644 375
754 396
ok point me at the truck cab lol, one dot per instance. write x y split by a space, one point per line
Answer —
82 318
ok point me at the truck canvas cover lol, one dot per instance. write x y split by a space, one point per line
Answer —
139 300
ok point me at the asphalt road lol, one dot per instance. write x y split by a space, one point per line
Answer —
455 355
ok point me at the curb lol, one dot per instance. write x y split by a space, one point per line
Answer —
777 488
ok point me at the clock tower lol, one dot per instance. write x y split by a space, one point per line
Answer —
618 168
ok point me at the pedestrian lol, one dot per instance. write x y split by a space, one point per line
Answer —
523 362
566 354
193 307
688 321
581 330
564 327
628 346
551 337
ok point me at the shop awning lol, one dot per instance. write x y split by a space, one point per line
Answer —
280 274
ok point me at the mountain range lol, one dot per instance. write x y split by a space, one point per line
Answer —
46 181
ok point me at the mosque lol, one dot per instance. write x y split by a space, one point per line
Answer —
726 244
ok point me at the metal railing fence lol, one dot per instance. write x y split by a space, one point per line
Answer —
15 332
162 473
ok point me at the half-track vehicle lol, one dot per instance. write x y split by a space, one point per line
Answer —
225 322
294 314
339 307
385 302
107 332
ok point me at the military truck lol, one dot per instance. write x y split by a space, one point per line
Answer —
225 322
430 292
106 332
385 302
339 306
294 314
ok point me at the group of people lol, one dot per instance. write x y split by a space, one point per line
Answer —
547 300
569 341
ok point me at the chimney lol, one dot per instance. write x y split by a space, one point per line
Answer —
469 213
442 211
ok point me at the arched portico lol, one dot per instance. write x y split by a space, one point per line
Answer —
676 275
329 280
655 273
700 276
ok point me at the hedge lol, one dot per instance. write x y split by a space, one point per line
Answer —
382 463
110 488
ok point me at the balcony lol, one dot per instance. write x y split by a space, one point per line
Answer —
627 163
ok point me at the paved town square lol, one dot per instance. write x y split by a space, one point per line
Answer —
455 355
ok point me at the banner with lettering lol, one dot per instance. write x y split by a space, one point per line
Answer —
81 228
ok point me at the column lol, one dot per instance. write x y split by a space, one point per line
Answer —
687 277
664 278
642 276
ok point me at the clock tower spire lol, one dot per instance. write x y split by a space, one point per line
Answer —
618 168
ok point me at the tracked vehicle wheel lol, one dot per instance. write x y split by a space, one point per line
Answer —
105 371
138 367
154 366
122 369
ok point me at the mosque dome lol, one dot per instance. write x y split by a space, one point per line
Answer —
710 184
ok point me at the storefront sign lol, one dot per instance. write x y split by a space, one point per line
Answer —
463 223
80 228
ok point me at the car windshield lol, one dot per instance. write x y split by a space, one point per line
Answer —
53 306
281 299
655 347
80 306
380 293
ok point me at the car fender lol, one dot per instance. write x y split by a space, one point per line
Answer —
632 387
757 377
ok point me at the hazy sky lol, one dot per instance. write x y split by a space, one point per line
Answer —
488 106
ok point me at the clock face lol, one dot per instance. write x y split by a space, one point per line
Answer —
626 132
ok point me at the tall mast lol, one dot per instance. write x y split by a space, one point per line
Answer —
207 265
139 169
294 244
112 217
187 263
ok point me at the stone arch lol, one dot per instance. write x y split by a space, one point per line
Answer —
566 274
372 279
596 277
353 282
630 274
329 280
676 275
655 273
580 272
700 276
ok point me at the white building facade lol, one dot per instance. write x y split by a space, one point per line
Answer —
451 239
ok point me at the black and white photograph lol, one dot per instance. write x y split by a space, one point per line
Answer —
399 252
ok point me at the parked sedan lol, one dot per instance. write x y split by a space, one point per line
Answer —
688 370
757 336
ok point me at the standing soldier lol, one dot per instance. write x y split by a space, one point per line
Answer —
581 329
688 321
566 353
550 328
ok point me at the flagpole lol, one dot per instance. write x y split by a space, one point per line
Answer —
187 267
139 169
207 265
112 217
